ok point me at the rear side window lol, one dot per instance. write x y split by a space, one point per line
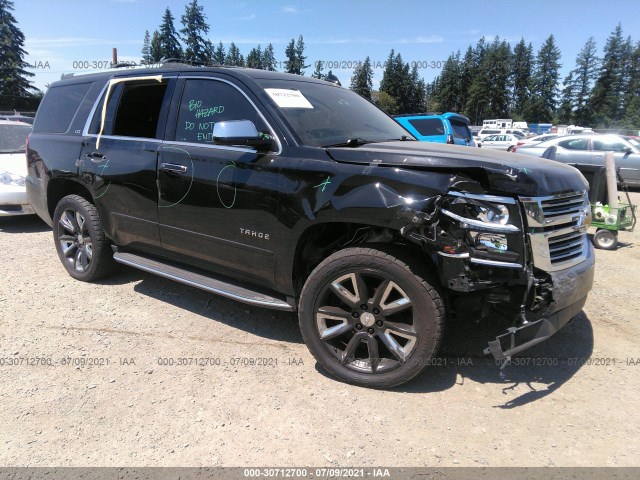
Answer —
575 144
133 110
428 126
609 145
460 130
59 106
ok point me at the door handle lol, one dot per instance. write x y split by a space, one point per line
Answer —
172 167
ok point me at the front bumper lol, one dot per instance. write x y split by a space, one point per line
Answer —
570 289
14 201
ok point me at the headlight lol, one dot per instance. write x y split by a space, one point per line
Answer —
484 216
7 178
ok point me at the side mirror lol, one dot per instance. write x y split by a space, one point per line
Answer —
241 133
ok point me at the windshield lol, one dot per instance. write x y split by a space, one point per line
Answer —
13 138
322 115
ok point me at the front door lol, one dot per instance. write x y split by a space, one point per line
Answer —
217 204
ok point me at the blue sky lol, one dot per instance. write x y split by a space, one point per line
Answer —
59 33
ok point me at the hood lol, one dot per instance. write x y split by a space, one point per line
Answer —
14 163
500 171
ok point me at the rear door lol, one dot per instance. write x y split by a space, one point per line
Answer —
119 156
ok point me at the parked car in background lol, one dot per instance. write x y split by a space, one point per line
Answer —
485 132
449 127
13 168
590 150
505 141
635 141
18 118
537 139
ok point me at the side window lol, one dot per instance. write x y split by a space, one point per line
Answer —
428 126
133 110
575 144
205 102
460 129
59 106
608 146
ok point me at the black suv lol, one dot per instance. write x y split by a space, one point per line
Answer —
291 193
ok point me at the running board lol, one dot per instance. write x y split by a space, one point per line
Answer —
219 287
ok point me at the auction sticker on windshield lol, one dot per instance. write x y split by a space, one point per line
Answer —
286 98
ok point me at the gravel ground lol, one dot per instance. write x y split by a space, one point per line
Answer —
256 397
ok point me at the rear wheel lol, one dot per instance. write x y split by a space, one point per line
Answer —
80 241
605 239
370 318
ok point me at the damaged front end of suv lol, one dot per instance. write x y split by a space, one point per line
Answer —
508 240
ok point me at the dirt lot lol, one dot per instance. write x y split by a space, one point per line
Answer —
572 401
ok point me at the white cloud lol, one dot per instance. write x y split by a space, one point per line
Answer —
248 17
377 41
290 9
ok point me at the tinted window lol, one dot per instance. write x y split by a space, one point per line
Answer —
575 144
460 129
609 145
428 126
491 138
489 132
205 102
13 138
59 106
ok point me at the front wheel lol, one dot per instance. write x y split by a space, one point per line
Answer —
80 240
371 318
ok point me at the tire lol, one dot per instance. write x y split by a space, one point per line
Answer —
86 257
370 317
605 239
510 148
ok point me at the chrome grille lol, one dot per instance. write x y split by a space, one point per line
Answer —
557 227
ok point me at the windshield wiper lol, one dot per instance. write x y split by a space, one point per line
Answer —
352 143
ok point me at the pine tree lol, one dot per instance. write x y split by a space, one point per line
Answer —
631 119
584 76
498 65
155 50
290 54
269 59
545 81
479 89
234 57
194 21
15 88
169 43
254 59
416 92
219 55
317 73
448 92
362 79
465 81
146 50
606 96
395 80
300 57
521 76
567 99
